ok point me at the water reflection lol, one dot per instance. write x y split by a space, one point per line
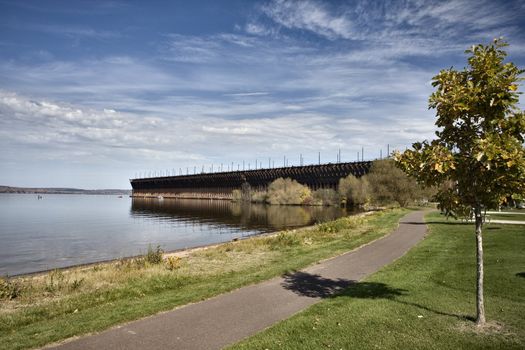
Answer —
244 216
65 230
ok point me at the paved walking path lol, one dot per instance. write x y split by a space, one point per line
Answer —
228 318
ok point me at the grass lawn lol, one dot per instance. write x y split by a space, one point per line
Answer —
62 304
512 217
425 300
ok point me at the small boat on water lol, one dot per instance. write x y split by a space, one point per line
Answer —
160 197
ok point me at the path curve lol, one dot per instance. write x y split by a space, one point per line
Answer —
231 317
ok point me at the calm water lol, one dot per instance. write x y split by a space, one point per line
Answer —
65 230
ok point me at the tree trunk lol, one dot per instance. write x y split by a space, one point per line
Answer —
480 319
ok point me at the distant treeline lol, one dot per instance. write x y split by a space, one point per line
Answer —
9 189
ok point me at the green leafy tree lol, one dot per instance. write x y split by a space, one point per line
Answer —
478 158
388 184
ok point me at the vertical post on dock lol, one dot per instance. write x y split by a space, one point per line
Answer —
388 150
362 154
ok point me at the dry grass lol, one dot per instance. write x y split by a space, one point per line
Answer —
200 262
131 288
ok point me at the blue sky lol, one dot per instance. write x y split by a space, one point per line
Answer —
93 93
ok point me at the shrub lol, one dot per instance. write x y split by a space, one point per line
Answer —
288 191
354 191
9 289
326 196
236 195
172 262
139 263
285 238
56 281
76 284
331 226
259 197
154 256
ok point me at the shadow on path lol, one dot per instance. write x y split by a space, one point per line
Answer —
314 286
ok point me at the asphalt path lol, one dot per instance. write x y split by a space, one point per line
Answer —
231 317
507 222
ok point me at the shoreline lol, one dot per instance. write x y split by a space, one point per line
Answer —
38 307
181 252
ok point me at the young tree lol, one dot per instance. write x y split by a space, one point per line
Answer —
478 155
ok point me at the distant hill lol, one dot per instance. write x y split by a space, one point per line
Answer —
52 190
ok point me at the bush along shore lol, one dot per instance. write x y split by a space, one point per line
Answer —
384 185
45 308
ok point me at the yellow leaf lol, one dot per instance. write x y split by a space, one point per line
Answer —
510 163
479 156
438 167
513 87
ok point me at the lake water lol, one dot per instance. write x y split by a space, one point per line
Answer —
65 230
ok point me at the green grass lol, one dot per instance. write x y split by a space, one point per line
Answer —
425 300
62 304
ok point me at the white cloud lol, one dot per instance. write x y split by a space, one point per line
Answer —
243 94
259 29
391 21
265 90
65 131
306 15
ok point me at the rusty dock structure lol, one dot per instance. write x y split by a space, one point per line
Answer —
219 185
